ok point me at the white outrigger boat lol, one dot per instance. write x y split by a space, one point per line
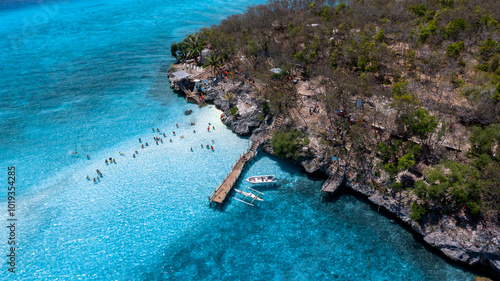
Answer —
247 194
262 180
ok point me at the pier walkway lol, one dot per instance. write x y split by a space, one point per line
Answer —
220 194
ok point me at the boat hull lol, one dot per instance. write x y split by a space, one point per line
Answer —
267 180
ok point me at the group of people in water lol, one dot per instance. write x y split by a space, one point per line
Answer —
158 140
99 176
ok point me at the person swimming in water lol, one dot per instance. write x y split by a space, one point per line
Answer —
94 180
170 140
106 161
164 135
176 125
147 144
136 152
133 155
142 146
140 140
88 177
191 149
194 131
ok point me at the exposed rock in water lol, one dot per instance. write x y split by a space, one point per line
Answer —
187 112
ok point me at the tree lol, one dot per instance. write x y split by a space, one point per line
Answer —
380 36
287 143
484 140
417 211
420 123
451 186
454 28
214 61
453 50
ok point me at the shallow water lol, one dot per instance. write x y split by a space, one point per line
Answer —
90 78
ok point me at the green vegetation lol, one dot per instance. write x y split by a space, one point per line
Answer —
450 186
233 110
287 143
428 30
417 211
453 50
486 140
454 28
420 123
395 51
189 48
379 37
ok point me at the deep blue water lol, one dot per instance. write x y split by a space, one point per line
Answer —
90 78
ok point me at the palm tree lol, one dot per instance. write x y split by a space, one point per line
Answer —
214 61
193 47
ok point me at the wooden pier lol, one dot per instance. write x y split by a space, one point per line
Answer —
220 194
333 183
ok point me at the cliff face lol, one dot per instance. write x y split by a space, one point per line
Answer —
460 240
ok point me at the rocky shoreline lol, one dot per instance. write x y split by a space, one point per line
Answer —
476 244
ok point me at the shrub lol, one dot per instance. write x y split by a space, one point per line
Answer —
483 140
384 151
325 13
417 211
233 110
496 96
453 50
420 123
380 36
451 186
287 143
494 65
265 108
391 169
427 31
454 28
340 7
487 49
406 161
419 10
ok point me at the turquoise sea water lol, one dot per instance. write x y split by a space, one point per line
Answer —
90 78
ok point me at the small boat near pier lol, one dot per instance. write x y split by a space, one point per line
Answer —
249 193
262 180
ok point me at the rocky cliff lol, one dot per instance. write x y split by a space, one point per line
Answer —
463 241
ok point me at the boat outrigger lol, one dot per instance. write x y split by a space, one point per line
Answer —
262 180
247 194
